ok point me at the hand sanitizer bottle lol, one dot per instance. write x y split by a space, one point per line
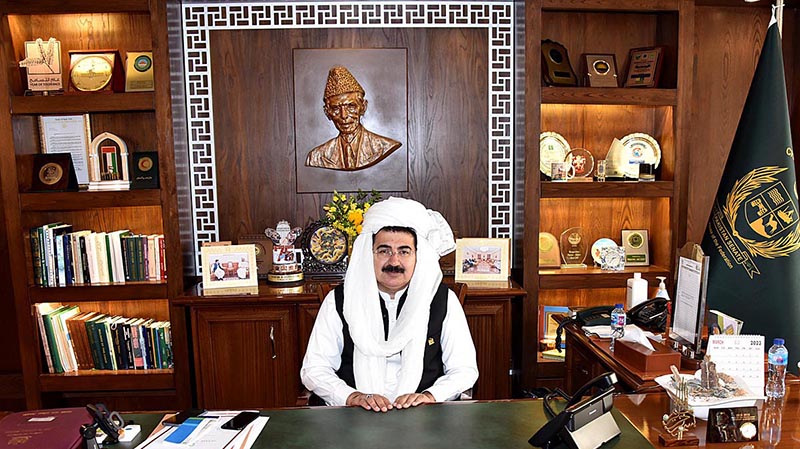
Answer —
637 291
662 288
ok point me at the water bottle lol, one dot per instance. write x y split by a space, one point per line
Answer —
618 319
778 359
771 417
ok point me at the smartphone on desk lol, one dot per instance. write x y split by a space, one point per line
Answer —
181 416
240 421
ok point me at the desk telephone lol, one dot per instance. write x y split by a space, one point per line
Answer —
650 315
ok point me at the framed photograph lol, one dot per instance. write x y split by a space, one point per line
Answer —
229 266
644 67
482 259
600 70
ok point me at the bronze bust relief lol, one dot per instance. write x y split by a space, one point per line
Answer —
355 147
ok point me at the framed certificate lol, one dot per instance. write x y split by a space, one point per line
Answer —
644 67
68 134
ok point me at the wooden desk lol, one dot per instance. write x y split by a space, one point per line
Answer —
588 357
645 412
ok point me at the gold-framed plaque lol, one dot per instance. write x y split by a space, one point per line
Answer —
637 247
42 65
139 71
549 255
556 69
644 66
95 71
263 249
600 70
53 172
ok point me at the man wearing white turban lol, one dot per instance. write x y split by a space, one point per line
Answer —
393 336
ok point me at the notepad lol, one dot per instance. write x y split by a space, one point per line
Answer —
741 356
184 430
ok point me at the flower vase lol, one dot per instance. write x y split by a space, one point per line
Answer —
351 239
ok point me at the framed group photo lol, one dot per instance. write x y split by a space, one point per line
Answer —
479 259
229 266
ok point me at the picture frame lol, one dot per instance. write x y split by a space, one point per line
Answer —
263 247
229 266
482 259
600 70
548 325
644 66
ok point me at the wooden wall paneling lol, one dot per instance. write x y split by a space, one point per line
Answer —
135 129
661 233
727 46
254 123
583 297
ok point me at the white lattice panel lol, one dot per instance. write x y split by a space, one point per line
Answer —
199 17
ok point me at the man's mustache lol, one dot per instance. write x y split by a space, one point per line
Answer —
393 269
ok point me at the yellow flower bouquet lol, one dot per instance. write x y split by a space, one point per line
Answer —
347 213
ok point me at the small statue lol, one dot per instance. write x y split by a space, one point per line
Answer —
708 373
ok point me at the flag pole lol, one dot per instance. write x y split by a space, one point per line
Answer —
777 15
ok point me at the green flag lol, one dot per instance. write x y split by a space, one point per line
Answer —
752 236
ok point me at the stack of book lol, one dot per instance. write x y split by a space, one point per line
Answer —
73 341
62 257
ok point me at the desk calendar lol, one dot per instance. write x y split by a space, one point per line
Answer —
740 356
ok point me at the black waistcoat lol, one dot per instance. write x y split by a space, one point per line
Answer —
432 367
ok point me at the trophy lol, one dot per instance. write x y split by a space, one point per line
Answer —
42 65
287 261
573 248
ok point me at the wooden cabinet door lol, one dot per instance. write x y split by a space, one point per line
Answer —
245 357
490 325
582 365
305 324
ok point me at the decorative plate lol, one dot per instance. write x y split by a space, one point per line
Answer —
324 249
553 147
639 148
599 245
582 160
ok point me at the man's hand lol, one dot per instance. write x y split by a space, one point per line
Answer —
413 400
374 402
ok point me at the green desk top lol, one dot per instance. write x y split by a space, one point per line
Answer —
461 425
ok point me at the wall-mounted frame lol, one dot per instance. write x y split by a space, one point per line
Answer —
200 19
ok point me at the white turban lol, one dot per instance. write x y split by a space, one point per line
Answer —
362 309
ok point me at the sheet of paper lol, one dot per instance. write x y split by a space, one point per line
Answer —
212 436
67 134
687 299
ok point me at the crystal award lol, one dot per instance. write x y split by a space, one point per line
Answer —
573 248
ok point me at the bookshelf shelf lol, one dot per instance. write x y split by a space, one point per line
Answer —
103 292
106 380
560 278
84 200
83 103
609 96
610 189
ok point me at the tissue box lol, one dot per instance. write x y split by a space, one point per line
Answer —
643 359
